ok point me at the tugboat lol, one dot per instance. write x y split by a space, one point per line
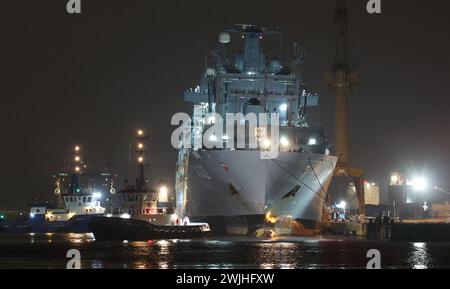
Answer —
139 213
79 197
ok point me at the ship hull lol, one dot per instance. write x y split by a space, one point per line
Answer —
117 229
77 224
239 192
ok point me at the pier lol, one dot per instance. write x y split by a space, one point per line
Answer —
408 231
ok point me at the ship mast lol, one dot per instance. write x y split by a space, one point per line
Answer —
140 150
108 176
75 171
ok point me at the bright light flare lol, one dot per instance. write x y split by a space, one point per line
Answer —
312 141
283 107
271 218
266 143
211 120
163 191
96 195
419 183
284 141
394 178
341 205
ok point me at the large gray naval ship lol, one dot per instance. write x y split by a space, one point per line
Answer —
236 190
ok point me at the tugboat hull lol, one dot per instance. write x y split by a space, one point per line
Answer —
76 224
118 229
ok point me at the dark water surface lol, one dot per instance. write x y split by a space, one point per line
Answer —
49 251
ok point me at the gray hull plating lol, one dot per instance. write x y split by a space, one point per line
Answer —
239 183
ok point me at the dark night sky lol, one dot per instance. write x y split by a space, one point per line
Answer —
91 79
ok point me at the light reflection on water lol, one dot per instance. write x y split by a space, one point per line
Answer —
266 266
49 251
77 238
419 256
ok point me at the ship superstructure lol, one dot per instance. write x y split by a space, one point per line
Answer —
236 187
79 189
138 200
